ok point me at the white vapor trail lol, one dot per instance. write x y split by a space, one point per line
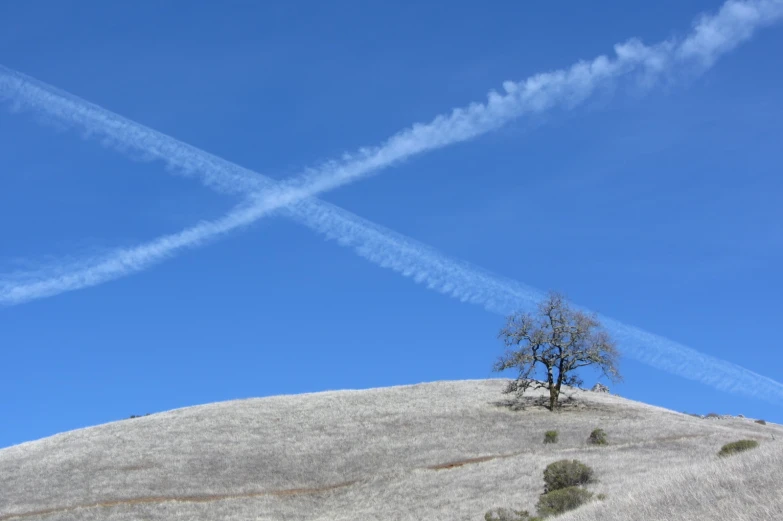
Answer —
712 37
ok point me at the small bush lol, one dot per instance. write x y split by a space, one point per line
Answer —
562 500
597 437
712 415
601 497
737 446
564 473
761 422
550 437
505 514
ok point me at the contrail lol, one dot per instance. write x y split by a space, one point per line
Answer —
24 287
424 265
712 37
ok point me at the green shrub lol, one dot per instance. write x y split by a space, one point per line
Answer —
505 514
565 473
562 500
737 446
712 415
550 437
601 497
597 437
761 422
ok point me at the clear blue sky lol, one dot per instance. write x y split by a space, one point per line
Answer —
660 208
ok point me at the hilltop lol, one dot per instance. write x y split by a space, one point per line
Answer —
447 450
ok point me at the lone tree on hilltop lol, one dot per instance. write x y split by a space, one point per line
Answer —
558 338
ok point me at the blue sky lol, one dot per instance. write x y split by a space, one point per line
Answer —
655 204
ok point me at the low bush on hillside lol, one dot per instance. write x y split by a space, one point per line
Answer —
712 415
597 437
566 473
561 493
550 437
761 422
562 500
737 446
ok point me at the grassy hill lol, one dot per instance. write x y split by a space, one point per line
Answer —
448 450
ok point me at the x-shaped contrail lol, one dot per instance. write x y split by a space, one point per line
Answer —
712 37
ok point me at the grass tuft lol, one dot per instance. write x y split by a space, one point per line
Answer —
737 446
562 500
597 437
566 473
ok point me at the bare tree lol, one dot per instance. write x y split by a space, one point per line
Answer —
560 339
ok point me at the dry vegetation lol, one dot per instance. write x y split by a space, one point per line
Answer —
434 451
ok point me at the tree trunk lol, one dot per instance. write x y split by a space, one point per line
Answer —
553 391
557 386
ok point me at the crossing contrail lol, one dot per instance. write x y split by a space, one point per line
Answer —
712 36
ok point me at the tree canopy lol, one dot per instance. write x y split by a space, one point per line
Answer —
561 340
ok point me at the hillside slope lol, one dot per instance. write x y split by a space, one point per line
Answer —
448 450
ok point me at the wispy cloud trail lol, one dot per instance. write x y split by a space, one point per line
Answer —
712 36
26 286
500 295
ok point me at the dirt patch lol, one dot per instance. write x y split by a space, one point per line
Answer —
183 499
129 468
468 461
459 463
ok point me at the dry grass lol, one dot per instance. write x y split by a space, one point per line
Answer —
435 451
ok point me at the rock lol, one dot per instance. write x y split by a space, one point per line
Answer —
600 388
714 416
